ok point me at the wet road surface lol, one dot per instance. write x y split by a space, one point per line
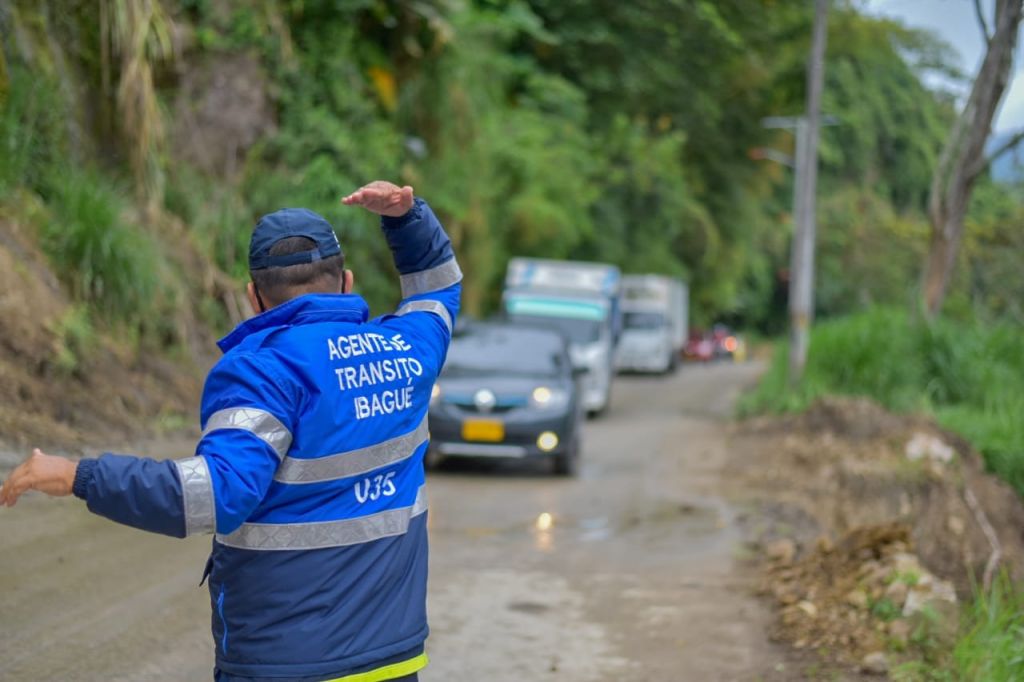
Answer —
627 572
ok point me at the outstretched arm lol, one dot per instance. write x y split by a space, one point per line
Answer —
245 435
136 491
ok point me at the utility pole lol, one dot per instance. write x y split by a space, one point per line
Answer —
801 271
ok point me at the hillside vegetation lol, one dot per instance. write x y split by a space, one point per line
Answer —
142 138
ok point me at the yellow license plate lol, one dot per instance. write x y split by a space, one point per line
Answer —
483 430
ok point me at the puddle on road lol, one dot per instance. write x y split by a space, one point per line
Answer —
595 529
528 607
547 530
683 515
694 516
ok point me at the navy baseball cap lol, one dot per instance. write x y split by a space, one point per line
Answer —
291 222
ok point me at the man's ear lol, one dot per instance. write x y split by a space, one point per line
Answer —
348 280
254 301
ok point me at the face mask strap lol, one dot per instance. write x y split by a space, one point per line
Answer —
259 299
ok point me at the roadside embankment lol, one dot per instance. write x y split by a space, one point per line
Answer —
69 380
873 527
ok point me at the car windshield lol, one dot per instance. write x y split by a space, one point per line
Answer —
507 351
643 320
577 331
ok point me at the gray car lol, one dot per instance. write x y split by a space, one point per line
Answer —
508 392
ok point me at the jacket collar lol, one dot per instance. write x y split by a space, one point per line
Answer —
304 309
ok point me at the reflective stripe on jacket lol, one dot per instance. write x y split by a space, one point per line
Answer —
310 473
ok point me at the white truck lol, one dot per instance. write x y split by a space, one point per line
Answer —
581 300
655 313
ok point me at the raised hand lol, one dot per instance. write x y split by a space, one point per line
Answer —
383 198
46 473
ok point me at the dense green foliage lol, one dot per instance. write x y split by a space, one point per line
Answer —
970 375
568 128
603 130
81 214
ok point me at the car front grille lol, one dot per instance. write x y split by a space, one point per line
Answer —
500 408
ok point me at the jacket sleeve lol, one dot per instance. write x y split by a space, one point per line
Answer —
430 275
136 491
246 432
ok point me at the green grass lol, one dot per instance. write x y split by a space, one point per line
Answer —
75 337
103 260
885 609
969 375
107 263
32 130
990 646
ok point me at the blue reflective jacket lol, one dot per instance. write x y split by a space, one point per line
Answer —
310 472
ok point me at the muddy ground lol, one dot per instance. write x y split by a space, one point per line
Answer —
689 548
639 576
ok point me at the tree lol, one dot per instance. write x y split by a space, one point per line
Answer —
963 158
696 76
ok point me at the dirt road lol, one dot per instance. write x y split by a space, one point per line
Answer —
626 573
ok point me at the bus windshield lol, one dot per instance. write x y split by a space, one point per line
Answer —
577 331
646 320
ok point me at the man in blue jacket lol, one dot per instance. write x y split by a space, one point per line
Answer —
309 469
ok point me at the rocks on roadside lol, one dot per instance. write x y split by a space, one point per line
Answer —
781 551
857 597
875 663
899 631
926 446
896 592
930 592
871 480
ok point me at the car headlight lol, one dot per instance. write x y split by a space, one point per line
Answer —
435 394
548 398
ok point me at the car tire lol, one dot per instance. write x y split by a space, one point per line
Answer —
431 460
670 366
567 463
601 411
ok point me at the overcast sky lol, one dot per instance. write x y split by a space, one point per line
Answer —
954 21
